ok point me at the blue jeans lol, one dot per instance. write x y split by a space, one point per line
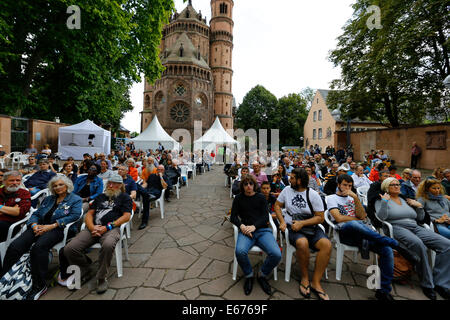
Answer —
444 230
353 232
264 239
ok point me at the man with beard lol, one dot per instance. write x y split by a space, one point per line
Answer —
14 202
109 210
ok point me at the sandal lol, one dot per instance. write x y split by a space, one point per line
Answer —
320 294
306 295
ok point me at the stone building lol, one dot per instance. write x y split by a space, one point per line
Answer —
325 127
196 84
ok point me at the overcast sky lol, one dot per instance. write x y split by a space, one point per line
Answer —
282 45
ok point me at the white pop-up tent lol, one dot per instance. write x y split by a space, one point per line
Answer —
153 134
73 141
213 137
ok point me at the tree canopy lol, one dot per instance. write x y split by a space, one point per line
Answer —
394 74
48 69
260 109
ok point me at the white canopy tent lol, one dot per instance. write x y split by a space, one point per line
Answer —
213 137
153 134
73 141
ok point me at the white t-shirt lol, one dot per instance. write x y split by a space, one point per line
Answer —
345 205
297 206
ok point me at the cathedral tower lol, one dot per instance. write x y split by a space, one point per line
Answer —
221 47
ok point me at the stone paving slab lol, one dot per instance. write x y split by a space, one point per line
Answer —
189 255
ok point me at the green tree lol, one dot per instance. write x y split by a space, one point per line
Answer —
291 114
47 69
257 109
260 109
394 74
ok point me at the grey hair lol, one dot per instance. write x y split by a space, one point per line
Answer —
446 171
64 179
130 160
13 173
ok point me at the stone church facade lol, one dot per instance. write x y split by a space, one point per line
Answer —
196 84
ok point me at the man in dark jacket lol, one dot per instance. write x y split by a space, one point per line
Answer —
39 180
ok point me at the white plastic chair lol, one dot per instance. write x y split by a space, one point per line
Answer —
177 187
231 188
160 203
122 243
390 234
184 174
341 248
63 242
290 250
26 177
10 238
362 194
2 163
254 249
41 195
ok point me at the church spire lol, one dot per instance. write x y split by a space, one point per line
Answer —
190 3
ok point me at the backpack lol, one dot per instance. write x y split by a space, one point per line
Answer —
403 269
17 282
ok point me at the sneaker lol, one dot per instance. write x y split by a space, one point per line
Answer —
383 296
102 286
67 281
36 293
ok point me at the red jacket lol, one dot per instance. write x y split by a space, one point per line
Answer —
22 198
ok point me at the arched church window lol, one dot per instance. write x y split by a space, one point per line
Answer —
179 112
180 90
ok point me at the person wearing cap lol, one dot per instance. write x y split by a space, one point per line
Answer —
38 181
331 185
31 166
107 213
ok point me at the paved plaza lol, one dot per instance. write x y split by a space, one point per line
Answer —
188 255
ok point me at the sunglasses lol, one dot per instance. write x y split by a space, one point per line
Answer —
248 184
394 185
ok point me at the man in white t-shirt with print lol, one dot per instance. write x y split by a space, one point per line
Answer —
348 213
304 232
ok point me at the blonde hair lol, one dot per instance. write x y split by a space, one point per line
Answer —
424 187
385 184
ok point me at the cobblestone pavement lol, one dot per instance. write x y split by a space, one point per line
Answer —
188 255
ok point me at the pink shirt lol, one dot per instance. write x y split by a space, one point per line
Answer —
260 178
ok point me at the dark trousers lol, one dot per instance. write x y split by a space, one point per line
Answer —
414 161
147 196
39 253
4 228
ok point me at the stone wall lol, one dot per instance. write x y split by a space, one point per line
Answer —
434 140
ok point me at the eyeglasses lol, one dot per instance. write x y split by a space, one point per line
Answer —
248 184
394 185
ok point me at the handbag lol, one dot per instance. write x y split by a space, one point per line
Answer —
17 282
307 230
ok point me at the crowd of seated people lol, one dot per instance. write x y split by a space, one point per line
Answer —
96 193
358 223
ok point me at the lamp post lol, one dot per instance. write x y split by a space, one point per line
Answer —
301 142
348 131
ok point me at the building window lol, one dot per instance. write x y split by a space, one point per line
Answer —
180 90
329 133
198 101
320 115
317 100
223 8
314 134
320 133
179 112
315 116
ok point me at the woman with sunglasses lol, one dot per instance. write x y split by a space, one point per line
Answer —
403 215
89 186
249 213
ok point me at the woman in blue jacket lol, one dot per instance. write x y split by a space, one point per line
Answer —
45 228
